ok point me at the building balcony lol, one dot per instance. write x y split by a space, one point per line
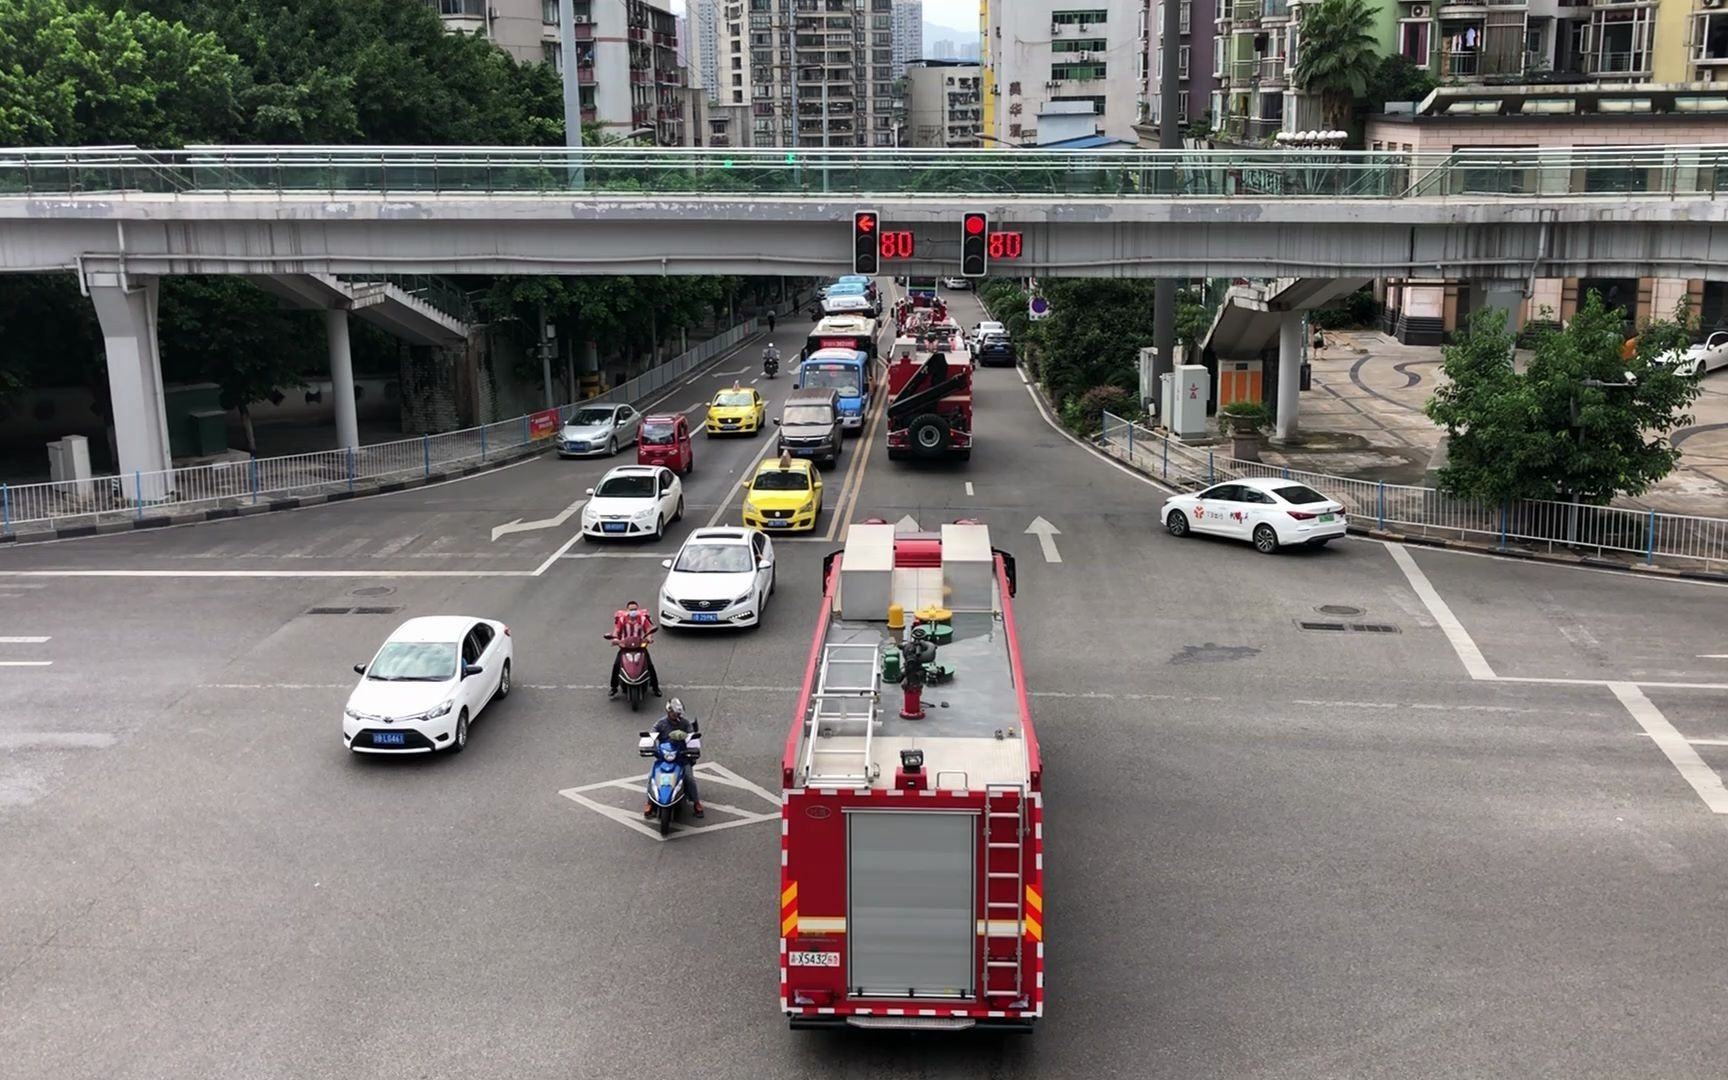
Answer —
641 116
669 76
585 74
1619 65
1243 13
1274 10
641 77
1270 70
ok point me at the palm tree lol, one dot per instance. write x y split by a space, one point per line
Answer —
1337 55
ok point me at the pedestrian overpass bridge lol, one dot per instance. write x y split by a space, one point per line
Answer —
301 219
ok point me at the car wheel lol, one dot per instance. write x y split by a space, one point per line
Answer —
1265 540
612 446
504 682
459 741
1177 523
679 514
660 527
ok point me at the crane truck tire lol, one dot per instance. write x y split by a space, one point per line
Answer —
928 435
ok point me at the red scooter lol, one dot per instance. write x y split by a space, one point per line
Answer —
633 669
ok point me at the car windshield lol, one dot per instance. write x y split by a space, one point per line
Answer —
591 417
1300 495
714 559
636 486
807 414
782 480
733 399
837 377
414 661
659 434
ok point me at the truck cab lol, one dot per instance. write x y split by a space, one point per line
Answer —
810 425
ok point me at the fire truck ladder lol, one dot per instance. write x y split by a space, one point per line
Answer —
848 695
1004 867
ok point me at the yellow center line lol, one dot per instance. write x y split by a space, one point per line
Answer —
854 481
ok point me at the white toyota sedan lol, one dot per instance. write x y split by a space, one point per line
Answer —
633 500
720 577
1271 513
427 684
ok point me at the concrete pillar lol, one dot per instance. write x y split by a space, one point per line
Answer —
127 315
1289 374
1508 296
342 378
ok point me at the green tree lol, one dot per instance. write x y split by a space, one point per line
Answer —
1396 78
1571 425
1094 333
72 75
1338 53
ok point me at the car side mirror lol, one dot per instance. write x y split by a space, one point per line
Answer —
471 670
590 491
666 564
764 564
359 669
776 421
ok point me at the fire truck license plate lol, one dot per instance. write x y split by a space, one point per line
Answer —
813 959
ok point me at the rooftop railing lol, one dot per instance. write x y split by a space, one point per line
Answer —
1660 171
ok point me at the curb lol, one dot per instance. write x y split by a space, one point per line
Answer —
271 505
1590 562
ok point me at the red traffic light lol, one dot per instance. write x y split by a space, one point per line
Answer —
974 224
865 222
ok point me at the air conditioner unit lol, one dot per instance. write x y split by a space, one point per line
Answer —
1420 11
1707 75
1712 3
1085 56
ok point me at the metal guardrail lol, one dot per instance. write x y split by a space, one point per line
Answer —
263 480
1665 172
1529 524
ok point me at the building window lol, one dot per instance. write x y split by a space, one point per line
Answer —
474 8
1094 17
1062 72
1182 61
549 12
1413 42
1710 37
1074 45
1182 104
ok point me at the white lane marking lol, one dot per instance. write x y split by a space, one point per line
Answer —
268 573
395 545
23 640
1691 767
351 549
552 559
619 555
1468 654
691 411
1708 742
518 525
1056 426
969 487
749 470
55 740
1713 656
26 663
723 374
1604 682
23 586
754 381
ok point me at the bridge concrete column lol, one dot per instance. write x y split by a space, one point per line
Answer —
126 310
1508 296
342 378
1289 374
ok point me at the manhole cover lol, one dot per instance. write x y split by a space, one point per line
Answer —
1338 609
386 590
1212 653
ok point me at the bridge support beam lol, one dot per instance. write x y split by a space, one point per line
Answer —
126 309
342 378
1289 374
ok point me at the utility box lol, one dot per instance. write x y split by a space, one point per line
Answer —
1240 380
69 463
1191 392
197 422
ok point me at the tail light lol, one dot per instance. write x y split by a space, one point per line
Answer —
506 629
1303 515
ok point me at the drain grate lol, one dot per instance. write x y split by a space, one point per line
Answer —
1374 628
352 610
1338 609
1341 628
1338 626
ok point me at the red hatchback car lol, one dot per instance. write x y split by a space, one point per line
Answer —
665 441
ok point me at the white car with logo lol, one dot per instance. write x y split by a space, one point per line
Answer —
1700 359
594 430
720 577
427 684
1268 512
633 501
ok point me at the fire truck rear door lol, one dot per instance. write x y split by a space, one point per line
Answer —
911 919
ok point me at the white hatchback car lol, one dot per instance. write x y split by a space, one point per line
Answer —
427 684
633 500
1270 512
720 577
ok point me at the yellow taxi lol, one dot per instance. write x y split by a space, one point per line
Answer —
737 411
783 496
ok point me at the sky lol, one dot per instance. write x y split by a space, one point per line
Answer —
954 14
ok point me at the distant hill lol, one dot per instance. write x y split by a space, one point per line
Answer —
932 32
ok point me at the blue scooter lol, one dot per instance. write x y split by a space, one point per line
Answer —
666 775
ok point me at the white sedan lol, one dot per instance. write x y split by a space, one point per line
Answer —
633 500
720 577
427 684
1700 359
1272 513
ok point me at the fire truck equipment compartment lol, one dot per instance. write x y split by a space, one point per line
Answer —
867 572
911 903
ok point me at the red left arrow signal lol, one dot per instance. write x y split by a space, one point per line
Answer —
866 222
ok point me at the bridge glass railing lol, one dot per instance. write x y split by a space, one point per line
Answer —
504 172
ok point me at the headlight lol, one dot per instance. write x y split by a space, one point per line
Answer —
351 714
645 515
745 599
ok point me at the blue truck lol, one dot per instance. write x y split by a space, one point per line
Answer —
848 373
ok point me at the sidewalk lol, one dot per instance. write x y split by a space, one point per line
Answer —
1363 418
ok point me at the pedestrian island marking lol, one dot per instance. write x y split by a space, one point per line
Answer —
621 800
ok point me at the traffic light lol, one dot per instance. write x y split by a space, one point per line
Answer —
974 245
866 226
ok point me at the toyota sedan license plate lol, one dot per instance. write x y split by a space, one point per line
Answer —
1327 518
705 616
389 738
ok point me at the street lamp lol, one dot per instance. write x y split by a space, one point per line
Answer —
614 140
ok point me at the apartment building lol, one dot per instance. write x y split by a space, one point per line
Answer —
1194 78
627 68
908 34
704 44
942 104
815 73
1090 51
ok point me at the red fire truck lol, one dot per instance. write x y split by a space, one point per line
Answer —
930 394
911 832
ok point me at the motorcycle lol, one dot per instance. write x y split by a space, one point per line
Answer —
666 775
771 366
633 671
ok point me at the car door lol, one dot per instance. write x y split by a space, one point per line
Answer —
668 494
1254 507
816 487
761 409
1211 509
1715 351
627 419
492 668
467 693
762 551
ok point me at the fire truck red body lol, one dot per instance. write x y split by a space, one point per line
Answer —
911 849
929 392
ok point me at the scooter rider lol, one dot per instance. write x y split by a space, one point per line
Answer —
771 358
632 625
674 720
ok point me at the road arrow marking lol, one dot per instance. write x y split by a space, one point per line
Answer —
544 523
906 525
723 374
1046 534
